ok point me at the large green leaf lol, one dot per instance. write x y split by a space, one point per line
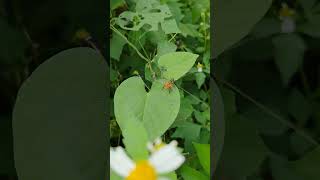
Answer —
157 109
233 20
59 119
176 64
129 100
161 109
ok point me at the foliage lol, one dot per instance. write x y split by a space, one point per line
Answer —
269 83
154 43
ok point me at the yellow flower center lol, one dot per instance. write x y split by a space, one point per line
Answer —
143 171
157 147
199 65
285 11
82 34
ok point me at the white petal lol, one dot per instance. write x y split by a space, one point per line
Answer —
158 141
120 162
150 146
167 159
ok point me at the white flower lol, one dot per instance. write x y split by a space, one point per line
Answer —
288 25
286 15
165 160
200 67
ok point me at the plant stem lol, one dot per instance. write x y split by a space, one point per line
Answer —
132 45
270 112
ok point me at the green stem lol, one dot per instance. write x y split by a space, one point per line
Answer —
132 45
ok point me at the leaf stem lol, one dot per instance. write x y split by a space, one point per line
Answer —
269 111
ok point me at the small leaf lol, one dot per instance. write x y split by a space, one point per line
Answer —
188 131
170 26
176 64
117 46
165 47
200 79
289 53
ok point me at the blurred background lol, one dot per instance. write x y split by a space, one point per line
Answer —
30 33
270 85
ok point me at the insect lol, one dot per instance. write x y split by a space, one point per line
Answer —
168 85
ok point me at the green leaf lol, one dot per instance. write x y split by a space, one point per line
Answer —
200 78
114 176
170 26
114 4
188 131
244 150
165 47
280 169
189 173
150 14
299 107
200 117
189 30
308 166
289 52
186 110
176 64
203 153
135 139
161 109
234 20
170 176
117 45
266 125
129 101
59 119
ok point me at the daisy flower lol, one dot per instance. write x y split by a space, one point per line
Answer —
165 158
